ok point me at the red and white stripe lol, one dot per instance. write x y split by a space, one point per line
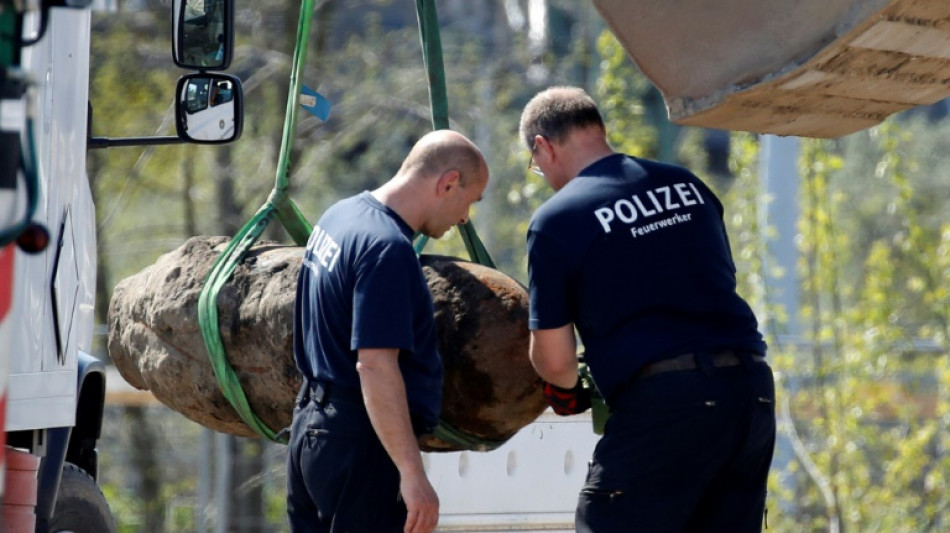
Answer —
6 327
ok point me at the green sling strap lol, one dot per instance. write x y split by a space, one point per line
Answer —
280 204
439 104
432 56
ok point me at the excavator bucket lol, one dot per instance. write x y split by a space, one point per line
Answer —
810 68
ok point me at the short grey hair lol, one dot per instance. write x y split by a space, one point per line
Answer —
554 112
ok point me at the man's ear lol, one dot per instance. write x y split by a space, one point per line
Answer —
539 141
543 144
448 182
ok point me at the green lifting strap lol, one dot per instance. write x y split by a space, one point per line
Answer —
432 56
439 103
279 204
298 227
294 222
208 319
447 433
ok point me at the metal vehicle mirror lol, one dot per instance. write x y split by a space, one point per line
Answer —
209 108
203 34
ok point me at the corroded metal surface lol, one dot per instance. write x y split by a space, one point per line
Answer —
490 389
156 344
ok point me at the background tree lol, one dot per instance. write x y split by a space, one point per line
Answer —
866 390
865 396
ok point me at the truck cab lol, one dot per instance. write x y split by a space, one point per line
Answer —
52 387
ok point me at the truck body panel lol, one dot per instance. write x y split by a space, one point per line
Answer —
531 483
54 290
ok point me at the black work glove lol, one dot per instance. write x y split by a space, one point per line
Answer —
567 401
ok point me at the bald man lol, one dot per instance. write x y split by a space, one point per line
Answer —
365 342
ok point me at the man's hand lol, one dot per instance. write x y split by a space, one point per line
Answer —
422 504
384 394
567 401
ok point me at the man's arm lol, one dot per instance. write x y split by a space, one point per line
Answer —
384 394
553 353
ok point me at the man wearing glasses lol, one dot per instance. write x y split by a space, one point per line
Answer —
634 254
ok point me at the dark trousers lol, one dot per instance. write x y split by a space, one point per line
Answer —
339 477
684 451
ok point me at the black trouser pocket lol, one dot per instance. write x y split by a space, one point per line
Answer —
602 511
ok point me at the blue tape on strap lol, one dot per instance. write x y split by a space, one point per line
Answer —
314 102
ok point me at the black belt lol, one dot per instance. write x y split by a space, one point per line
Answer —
688 361
322 392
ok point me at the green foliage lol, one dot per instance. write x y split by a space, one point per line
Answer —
864 398
620 89
124 506
741 202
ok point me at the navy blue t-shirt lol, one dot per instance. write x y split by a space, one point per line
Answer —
361 286
635 254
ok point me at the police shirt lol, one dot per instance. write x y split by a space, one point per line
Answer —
635 254
361 286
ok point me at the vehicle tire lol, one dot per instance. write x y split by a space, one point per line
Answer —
80 505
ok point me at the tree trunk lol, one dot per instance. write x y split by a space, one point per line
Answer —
146 465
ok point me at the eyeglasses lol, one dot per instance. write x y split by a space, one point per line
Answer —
531 164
